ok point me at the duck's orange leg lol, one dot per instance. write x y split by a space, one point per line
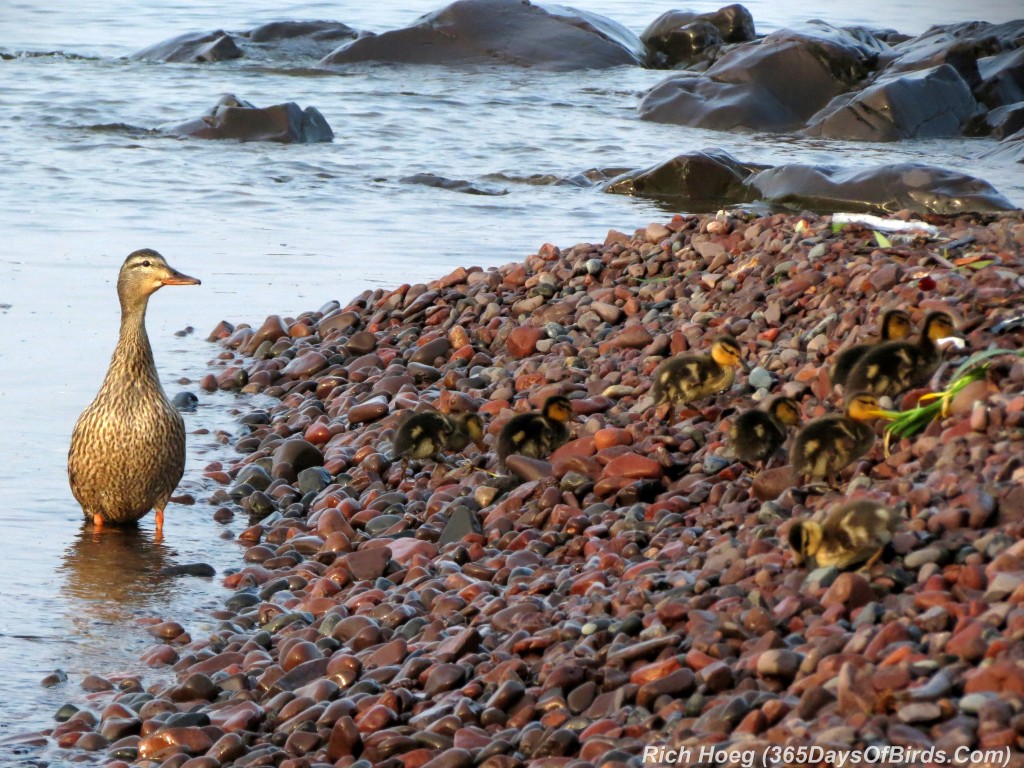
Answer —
159 521
97 520
872 560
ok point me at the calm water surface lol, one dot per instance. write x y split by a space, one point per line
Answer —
272 229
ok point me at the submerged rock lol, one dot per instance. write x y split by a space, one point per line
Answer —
292 41
503 32
233 118
880 189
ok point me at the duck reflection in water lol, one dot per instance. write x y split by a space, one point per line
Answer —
117 570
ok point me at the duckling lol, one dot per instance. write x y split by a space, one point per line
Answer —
127 450
422 436
827 445
851 533
686 378
469 428
756 435
429 434
896 366
895 326
536 434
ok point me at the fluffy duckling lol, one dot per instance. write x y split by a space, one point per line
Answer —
536 434
896 366
827 445
756 435
469 428
895 326
429 434
686 378
128 447
851 533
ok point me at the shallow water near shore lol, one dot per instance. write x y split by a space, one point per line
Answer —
271 229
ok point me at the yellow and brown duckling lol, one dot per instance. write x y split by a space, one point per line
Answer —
895 326
692 377
851 533
896 366
827 445
756 435
128 447
536 434
429 434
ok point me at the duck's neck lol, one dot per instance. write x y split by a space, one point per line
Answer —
133 357
928 346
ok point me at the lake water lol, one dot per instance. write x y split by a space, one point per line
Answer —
272 229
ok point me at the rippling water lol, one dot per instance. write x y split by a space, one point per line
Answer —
271 228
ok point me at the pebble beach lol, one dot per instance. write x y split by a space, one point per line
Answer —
633 591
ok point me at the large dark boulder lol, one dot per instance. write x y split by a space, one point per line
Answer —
233 118
1010 149
193 47
959 45
880 189
1001 122
302 41
772 85
684 37
705 180
1001 79
506 32
933 103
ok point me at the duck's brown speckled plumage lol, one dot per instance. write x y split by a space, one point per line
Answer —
536 434
756 435
128 447
896 366
851 533
429 434
692 377
895 326
826 445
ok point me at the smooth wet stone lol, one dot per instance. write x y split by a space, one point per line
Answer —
779 663
298 454
760 378
189 569
850 590
522 341
367 564
305 366
431 351
370 410
769 484
528 468
633 465
186 402
193 740
56 677
313 480
461 523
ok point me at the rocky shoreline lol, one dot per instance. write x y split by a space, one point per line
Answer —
634 590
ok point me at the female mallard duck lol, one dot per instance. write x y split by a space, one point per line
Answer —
536 434
827 445
852 533
896 366
686 378
756 435
895 327
428 434
128 447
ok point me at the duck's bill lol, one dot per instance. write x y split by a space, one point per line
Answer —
878 413
177 278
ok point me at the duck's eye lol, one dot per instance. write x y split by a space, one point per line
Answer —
146 263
